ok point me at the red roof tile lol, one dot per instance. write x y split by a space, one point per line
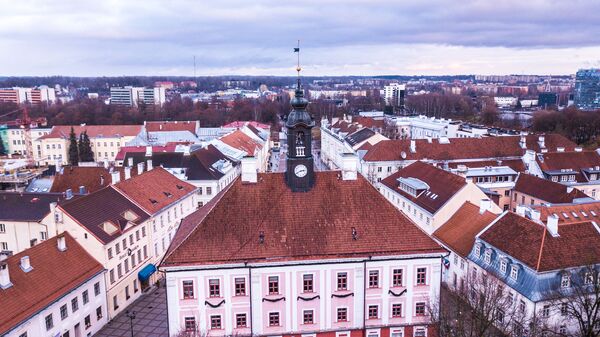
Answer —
171 126
570 213
577 161
457 148
443 185
155 189
459 232
578 244
369 122
241 141
63 131
48 281
546 190
169 147
313 225
93 178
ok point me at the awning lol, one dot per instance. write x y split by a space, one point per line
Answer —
145 273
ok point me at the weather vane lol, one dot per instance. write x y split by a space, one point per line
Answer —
297 50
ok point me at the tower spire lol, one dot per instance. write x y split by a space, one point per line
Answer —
298 69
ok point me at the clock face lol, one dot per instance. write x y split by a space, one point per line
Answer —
300 171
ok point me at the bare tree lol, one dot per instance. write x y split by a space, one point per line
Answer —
580 302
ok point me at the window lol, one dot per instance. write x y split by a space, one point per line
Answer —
588 278
565 281
4 245
63 312
514 272
214 288
420 332
110 253
420 309
145 252
24 334
342 314
506 193
124 243
522 306
188 289
342 281
240 286
135 286
118 248
397 333
97 288
546 310
273 319
209 190
503 266
488 256
564 309
115 302
2 228
397 310
562 330
49 322
215 322
88 321
421 276
373 278
144 232
190 324
74 304
126 266
307 283
131 239
137 236
477 250
500 316
240 321
397 278
373 312
308 316
119 271
273 285
127 293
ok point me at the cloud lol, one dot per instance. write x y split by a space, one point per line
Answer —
338 37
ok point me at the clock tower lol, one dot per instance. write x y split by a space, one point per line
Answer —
300 175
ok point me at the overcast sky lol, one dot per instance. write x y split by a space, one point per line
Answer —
256 37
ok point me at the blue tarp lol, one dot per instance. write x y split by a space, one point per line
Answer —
145 273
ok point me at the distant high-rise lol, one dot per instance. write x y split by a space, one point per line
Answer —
587 89
37 95
131 96
394 95
547 99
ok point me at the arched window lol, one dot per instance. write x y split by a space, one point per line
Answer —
300 138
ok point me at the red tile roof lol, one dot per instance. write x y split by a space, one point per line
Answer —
546 190
63 131
154 190
570 213
93 178
242 141
443 185
241 124
459 232
169 147
369 122
171 126
457 148
297 226
578 244
577 161
54 275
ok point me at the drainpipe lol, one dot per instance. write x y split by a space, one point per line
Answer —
250 297
365 297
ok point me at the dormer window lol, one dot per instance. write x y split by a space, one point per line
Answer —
478 249
565 280
109 227
503 266
129 215
488 256
167 194
514 272
414 187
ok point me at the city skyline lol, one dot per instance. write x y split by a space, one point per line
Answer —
338 38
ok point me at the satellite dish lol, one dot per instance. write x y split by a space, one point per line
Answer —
403 155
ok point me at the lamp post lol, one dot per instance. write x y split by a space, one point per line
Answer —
131 316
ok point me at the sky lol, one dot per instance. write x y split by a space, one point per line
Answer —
256 37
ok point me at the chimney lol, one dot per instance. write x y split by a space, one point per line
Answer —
560 149
186 150
349 166
127 170
148 151
58 166
106 163
484 205
115 177
149 164
4 276
101 180
535 214
552 225
130 161
578 149
26 264
249 174
413 146
61 242
82 190
541 141
523 141
68 194
140 168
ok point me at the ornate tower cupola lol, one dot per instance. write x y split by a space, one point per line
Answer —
300 175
